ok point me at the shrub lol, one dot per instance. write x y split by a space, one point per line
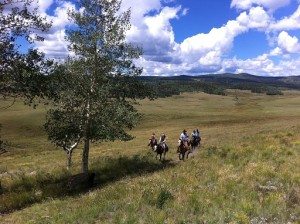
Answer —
273 91
163 197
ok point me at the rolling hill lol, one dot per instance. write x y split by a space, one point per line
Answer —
217 83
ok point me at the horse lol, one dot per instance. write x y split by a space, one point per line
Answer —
153 144
161 150
182 150
195 142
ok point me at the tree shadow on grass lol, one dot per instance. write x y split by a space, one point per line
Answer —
116 169
106 170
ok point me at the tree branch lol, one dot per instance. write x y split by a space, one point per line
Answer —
6 107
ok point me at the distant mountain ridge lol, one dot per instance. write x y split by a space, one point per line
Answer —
292 82
236 80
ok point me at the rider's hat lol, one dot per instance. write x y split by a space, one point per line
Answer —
184 131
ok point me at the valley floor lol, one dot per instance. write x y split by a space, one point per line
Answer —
247 169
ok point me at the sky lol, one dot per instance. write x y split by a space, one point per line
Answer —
195 37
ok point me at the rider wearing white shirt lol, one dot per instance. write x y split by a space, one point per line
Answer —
184 137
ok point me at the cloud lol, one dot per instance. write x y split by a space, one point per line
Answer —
213 44
260 65
205 52
141 9
270 4
276 51
208 49
42 5
257 18
287 43
287 23
150 28
155 34
161 68
55 46
199 54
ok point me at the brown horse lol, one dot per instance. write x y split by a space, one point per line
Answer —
182 150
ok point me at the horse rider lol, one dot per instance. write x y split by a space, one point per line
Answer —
184 138
198 136
162 141
194 134
152 139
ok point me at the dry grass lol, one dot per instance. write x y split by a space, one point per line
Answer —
246 171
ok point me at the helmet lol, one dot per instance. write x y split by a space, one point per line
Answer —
184 131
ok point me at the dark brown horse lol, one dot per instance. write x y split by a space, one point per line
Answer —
195 142
161 150
153 144
183 149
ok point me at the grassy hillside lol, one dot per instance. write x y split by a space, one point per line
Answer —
246 171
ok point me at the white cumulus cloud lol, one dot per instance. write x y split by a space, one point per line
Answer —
257 18
55 45
270 4
151 28
155 34
287 23
287 43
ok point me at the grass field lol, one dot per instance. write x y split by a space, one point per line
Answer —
247 169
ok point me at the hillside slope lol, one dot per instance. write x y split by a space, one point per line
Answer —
247 169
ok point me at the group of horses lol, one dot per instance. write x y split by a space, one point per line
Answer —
183 150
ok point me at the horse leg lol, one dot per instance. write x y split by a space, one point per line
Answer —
179 155
158 155
188 152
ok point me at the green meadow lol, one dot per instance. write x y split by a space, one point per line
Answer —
247 169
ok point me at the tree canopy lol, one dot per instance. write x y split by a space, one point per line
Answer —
21 73
98 86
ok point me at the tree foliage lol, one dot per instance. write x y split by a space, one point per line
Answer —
98 87
21 74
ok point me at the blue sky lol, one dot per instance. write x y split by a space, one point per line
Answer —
194 37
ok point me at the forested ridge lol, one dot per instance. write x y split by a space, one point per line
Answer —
218 83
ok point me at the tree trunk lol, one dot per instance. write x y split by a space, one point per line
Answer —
69 160
85 155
